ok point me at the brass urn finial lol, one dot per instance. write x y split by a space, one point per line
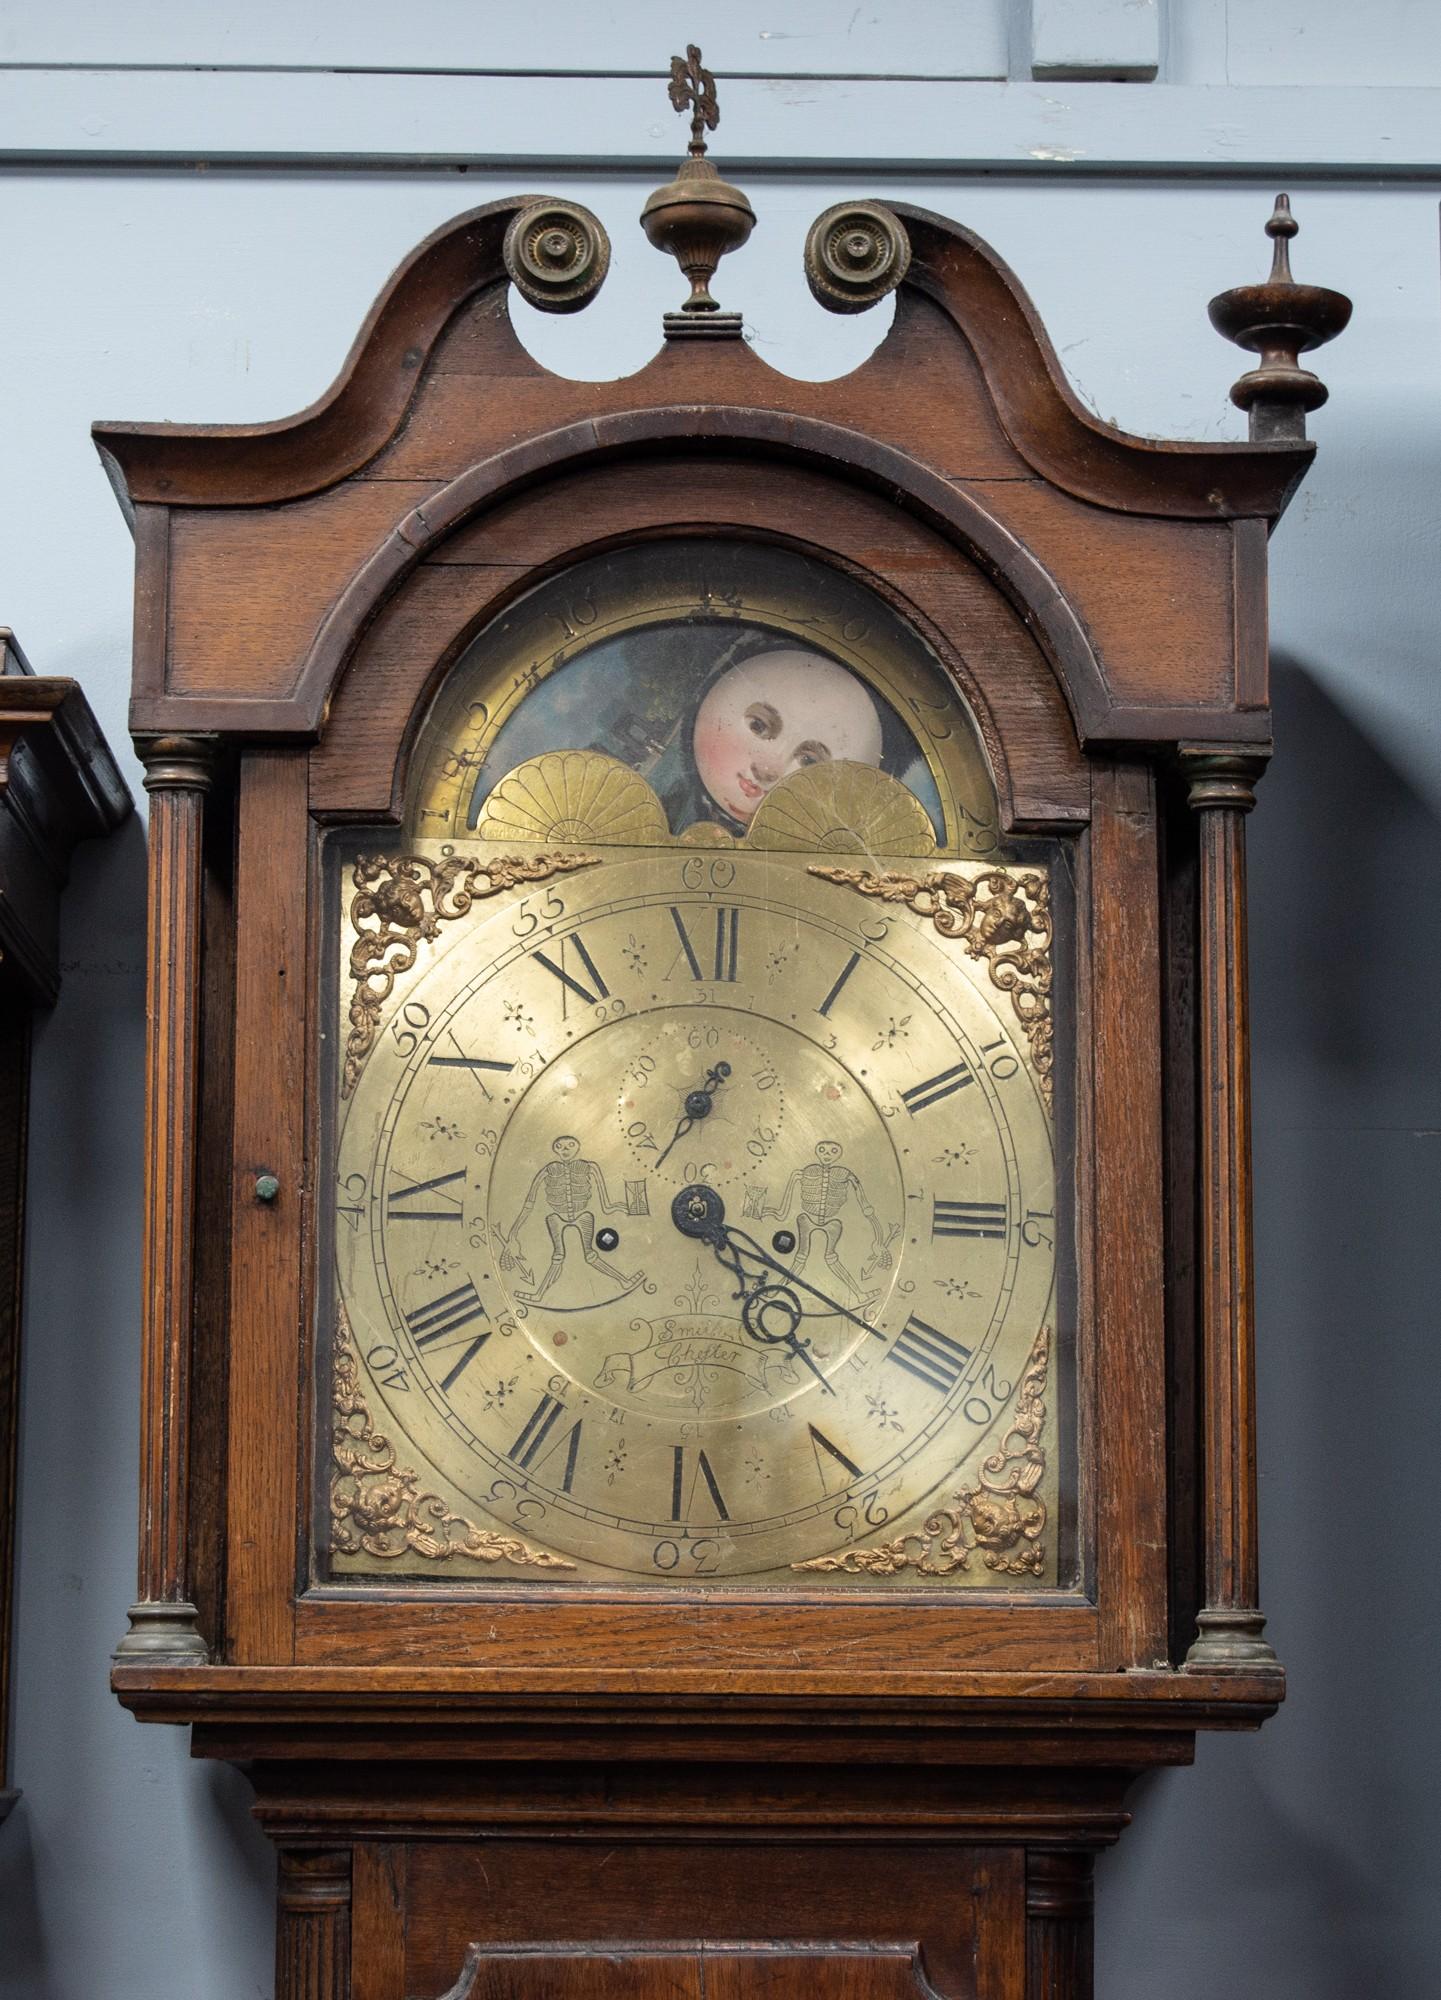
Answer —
697 217
1280 320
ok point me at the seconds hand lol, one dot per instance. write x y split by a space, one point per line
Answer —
698 1104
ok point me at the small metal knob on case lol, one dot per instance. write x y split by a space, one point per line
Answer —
267 1187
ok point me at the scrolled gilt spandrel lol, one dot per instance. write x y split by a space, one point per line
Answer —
1003 916
1002 1519
401 900
377 1507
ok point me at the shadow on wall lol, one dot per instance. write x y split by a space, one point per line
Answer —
173 1872
1301 1861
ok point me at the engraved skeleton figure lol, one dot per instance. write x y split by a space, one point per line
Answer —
571 1188
825 1188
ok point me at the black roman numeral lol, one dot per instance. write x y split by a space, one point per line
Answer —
535 1445
821 1443
682 1490
727 946
931 1356
475 1064
398 1200
568 979
968 1218
444 1317
835 993
921 1096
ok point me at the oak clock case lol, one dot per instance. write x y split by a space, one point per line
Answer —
696 1198
698 1305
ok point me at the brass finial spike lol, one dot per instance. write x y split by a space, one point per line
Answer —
1281 228
1279 320
693 86
697 217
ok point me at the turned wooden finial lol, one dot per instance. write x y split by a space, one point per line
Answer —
697 217
1279 320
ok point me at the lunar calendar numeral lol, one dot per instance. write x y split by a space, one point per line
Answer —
727 945
824 1010
444 1317
921 1096
968 1218
682 1489
568 979
930 1355
535 1444
399 1201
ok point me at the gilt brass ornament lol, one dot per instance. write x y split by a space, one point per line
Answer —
377 1507
1000 915
407 898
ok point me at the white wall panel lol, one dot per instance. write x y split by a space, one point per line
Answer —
764 37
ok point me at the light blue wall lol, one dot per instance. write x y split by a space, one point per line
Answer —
1300 1862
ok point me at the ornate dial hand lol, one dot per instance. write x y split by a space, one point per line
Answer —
698 1211
698 1104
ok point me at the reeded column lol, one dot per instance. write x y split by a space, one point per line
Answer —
177 777
1060 1924
312 1936
1221 793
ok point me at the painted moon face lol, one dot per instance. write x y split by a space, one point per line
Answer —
774 714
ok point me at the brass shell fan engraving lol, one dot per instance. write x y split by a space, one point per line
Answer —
574 795
842 808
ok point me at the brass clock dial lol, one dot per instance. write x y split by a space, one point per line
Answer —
697 1220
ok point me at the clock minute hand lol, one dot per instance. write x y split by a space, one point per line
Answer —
751 1248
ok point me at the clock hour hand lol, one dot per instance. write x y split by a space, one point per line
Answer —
698 1104
698 1211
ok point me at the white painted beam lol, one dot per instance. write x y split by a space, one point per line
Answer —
1094 40
525 124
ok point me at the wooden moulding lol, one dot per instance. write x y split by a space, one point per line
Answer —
263 549
163 1621
1221 792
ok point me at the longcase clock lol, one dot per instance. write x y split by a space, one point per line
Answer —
698 1317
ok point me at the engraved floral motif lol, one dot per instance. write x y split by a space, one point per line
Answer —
400 899
1002 1519
1002 916
377 1508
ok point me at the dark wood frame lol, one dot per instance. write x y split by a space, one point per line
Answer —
1101 601
58 785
